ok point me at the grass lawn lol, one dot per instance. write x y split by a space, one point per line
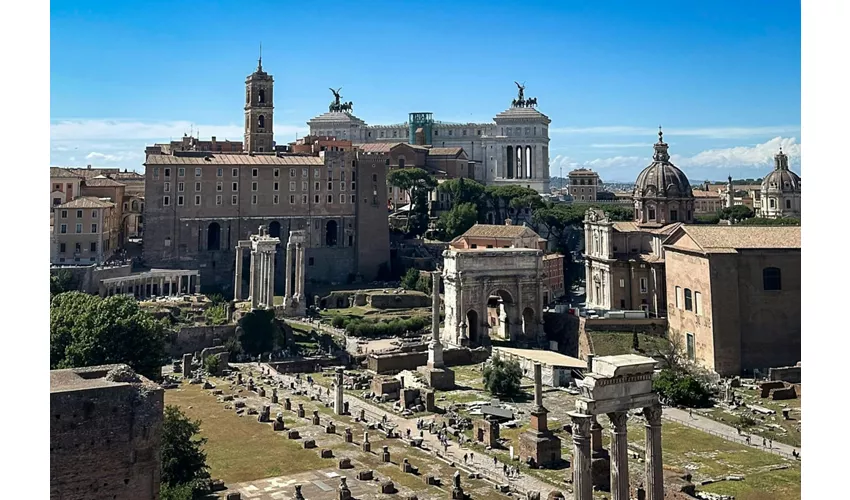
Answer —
240 448
791 436
614 343
706 456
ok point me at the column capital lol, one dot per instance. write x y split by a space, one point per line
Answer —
652 414
619 420
581 424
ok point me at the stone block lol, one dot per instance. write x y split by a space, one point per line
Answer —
327 453
278 425
785 393
365 475
345 463
442 379
287 404
348 436
233 495
429 402
309 443
555 495
293 434
432 481
766 387
330 428
387 487
366 446
315 418
385 454
544 448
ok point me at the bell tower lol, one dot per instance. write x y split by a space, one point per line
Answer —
259 111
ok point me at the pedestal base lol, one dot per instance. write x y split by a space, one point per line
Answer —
438 378
543 447
294 307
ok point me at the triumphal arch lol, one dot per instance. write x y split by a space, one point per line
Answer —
492 289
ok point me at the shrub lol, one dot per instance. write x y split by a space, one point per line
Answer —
745 421
410 279
217 314
681 388
502 377
211 364
234 347
338 322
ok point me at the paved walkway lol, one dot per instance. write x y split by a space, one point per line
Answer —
482 463
726 431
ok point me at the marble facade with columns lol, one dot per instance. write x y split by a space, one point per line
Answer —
262 271
153 283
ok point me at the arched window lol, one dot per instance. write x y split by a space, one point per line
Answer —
772 203
330 233
689 300
135 206
651 214
401 163
772 278
261 121
261 96
274 229
214 236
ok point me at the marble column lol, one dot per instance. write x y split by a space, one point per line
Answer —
595 436
162 286
619 456
179 284
252 276
198 283
299 269
290 251
271 258
237 282
582 480
654 472
538 386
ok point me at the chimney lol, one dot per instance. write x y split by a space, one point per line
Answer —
509 222
213 141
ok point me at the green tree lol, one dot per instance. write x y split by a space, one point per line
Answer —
416 182
736 213
763 221
463 191
457 221
184 462
211 365
86 330
217 314
502 378
260 332
410 279
62 281
711 219
500 198
681 388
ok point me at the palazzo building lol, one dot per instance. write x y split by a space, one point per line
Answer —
624 261
780 191
513 149
201 203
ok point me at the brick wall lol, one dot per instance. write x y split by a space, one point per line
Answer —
190 339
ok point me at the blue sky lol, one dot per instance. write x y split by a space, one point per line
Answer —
722 77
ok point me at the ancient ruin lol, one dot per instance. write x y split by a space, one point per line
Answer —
616 385
538 445
437 375
339 407
261 278
295 299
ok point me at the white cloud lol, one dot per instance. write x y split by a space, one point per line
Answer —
95 156
743 156
93 130
707 132
622 145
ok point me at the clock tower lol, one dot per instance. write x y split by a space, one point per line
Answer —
259 111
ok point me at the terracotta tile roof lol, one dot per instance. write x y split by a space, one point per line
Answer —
700 193
57 172
722 239
234 159
631 227
101 181
445 151
87 202
498 231
376 147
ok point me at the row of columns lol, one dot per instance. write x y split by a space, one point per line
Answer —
582 455
518 162
262 276
158 285
294 258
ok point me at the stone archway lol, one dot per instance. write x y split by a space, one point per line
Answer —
529 326
472 326
500 313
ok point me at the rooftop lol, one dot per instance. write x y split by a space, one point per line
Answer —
90 377
234 159
102 181
87 202
57 172
725 239
498 231
549 358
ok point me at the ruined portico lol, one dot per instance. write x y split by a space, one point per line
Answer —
261 283
153 283
437 375
295 299
615 385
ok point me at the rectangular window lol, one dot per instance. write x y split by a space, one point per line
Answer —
341 199
304 172
76 248
94 228
342 186
276 173
304 186
622 283
219 187
330 198
234 172
167 187
678 299
316 199
342 175
79 229
94 214
79 214
330 186
253 199
304 199
698 303
198 172
353 184
234 186
277 186
275 199
179 201
197 186
197 199
63 228
292 199
167 172
674 215
218 199
219 172
292 185
181 172
61 248
692 351
254 172
253 186
63 214
93 246
166 200
156 173
352 199
643 285
234 200
316 173
292 172
689 300
180 187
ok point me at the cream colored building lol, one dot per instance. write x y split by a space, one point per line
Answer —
733 295
583 184
85 231
780 191
64 186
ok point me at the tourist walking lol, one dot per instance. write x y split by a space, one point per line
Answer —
465 456
472 457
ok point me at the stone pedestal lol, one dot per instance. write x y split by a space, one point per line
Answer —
538 443
385 454
442 379
187 366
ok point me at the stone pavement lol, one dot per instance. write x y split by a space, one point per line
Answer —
482 463
725 431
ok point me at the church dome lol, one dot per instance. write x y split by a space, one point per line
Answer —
662 179
782 179
662 194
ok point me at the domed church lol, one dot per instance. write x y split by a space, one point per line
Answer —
624 261
780 191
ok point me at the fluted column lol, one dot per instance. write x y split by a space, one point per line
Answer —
290 250
299 269
654 472
582 481
619 456
255 278
271 257
435 306
237 282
